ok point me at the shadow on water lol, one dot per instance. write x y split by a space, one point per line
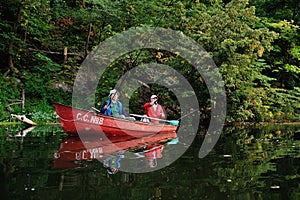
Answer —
246 163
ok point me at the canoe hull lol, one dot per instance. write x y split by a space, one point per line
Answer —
76 121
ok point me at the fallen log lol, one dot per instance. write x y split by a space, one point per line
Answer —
24 119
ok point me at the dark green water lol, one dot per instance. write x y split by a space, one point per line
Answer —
246 163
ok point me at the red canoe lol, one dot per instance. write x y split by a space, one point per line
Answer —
76 121
74 149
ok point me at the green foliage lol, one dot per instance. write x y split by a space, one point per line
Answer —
284 59
254 43
9 92
278 9
231 34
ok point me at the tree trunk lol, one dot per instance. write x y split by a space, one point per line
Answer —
83 3
11 42
65 54
88 39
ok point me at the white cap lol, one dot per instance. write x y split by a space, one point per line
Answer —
153 96
112 92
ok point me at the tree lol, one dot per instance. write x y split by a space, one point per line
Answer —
43 44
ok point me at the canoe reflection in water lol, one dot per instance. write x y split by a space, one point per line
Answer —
112 151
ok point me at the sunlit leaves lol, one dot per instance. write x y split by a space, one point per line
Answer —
254 60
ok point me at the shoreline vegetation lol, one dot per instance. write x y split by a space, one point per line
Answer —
13 121
263 123
255 48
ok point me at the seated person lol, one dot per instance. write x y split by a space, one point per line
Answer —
113 107
154 110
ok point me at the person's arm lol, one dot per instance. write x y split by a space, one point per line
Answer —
149 104
122 110
147 107
124 113
162 113
104 107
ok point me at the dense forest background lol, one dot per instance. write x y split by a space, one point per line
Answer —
254 43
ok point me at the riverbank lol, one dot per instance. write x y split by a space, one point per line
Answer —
263 123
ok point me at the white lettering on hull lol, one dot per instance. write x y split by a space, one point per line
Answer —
94 119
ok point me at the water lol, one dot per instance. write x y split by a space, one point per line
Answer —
246 163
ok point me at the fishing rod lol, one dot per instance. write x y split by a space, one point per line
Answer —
188 114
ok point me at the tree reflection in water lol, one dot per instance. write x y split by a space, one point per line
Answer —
247 163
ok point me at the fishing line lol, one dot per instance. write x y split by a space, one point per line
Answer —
188 114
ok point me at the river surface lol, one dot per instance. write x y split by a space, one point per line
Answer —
261 162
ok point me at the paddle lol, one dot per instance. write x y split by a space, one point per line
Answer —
96 109
173 122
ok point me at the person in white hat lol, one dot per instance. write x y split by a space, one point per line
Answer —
113 107
154 110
